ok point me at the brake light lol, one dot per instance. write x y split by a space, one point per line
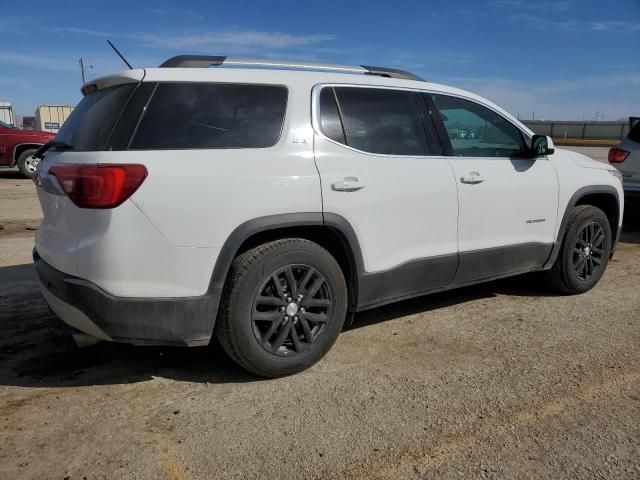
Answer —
99 186
617 155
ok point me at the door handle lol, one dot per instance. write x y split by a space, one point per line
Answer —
472 178
349 184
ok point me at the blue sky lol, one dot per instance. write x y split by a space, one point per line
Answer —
563 59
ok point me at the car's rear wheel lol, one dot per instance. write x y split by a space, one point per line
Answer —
27 163
584 253
283 307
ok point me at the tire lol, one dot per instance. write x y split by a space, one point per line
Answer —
568 274
252 327
26 164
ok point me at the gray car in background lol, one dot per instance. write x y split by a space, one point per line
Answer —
626 158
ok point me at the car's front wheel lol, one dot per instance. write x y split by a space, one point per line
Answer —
27 163
584 253
283 308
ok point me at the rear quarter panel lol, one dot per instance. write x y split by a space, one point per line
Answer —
196 198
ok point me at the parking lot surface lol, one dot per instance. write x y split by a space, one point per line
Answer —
502 380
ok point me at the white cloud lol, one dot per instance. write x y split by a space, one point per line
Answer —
610 26
39 61
84 31
247 39
522 5
239 39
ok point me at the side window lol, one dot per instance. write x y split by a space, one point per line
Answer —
476 131
330 122
211 115
381 121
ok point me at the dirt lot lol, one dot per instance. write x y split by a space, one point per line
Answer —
504 380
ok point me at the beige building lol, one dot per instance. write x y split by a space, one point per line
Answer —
50 118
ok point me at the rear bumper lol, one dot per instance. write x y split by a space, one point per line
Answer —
185 321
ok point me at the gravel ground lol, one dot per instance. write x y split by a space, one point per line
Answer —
503 380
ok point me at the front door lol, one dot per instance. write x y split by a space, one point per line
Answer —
508 203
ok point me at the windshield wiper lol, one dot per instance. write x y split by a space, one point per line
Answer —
52 144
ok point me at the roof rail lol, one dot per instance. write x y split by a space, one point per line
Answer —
392 73
205 61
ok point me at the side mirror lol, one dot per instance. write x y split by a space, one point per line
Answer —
542 145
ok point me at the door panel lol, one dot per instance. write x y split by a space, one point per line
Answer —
5 153
515 203
402 207
508 203
407 209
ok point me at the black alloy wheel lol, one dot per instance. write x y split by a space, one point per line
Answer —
291 309
588 251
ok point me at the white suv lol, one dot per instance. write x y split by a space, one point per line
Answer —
266 203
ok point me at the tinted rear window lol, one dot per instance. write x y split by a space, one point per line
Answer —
382 121
634 134
209 115
89 126
330 122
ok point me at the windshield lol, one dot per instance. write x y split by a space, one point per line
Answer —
89 126
6 125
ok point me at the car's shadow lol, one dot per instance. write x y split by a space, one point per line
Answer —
631 227
37 350
11 174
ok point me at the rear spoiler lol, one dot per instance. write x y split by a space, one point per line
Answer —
128 76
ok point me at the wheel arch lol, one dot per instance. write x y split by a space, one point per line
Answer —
331 231
604 197
19 150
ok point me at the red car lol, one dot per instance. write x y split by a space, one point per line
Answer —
18 146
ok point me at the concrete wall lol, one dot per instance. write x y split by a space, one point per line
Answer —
579 130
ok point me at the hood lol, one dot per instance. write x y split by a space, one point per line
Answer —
34 133
584 161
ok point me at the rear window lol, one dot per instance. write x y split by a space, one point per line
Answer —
634 134
89 126
330 122
376 120
209 115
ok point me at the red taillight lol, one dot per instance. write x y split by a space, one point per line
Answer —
617 155
99 186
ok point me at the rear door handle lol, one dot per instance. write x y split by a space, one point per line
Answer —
472 178
349 184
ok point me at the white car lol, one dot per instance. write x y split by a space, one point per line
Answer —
626 158
266 203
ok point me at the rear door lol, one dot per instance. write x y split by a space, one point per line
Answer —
382 171
508 203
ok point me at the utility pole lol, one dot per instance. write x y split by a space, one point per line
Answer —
84 78
83 69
